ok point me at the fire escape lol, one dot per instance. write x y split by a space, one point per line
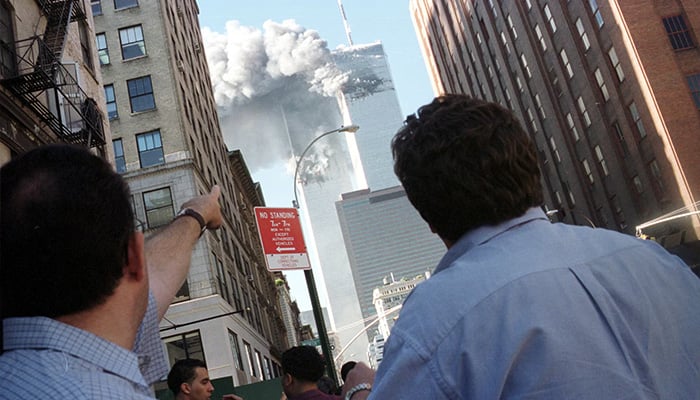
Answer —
46 86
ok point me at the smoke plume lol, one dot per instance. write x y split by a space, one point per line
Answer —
275 89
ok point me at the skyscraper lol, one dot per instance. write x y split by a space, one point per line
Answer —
169 147
385 237
607 89
369 100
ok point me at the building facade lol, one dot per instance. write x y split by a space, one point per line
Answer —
50 81
389 298
168 145
608 90
384 236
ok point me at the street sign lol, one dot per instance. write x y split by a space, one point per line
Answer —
282 238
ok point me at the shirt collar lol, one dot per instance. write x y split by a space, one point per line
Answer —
42 333
483 234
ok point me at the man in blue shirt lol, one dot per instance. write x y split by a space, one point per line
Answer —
519 307
82 293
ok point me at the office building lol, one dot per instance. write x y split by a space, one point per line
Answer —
360 159
50 82
384 236
169 147
607 89
388 300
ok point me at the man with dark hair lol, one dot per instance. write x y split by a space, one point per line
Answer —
302 367
189 380
520 307
82 292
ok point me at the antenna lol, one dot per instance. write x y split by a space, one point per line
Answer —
345 22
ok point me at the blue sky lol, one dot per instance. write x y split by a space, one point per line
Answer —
388 21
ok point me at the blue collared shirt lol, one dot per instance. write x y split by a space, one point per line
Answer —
534 310
45 358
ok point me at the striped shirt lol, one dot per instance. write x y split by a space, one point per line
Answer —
45 358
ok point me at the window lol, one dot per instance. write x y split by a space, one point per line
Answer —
538 31
694 84
519 83
85 40
258 363
221 279
587 168
235 350
111 102
125 4
678 33
555 151
567 64
529 4
569 193
96 7
621 142
512 27
523 60
550 18
582 33
131 39
505 42
572 126
583 111
102 51
187 345
595 10
7 39
637 119
656 173
249 353
268 369
141 94
159 207
150 149
601 160
540 109
637 184
616 64
119 161
601 84
531 116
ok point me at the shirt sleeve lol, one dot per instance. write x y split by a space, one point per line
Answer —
148 347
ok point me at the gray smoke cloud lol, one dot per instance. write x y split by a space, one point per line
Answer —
275 88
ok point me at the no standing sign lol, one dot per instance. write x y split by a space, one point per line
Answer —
282 238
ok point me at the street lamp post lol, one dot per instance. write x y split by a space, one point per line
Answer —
349 128
308 273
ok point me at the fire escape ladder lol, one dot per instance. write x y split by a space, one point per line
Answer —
47 86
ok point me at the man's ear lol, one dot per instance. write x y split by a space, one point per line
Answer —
185 388
135 267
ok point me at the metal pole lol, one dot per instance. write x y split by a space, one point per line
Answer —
320 325
309 275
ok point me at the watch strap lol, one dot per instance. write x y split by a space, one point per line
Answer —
357 388
188 212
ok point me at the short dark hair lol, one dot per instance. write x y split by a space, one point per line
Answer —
304 363
466 163
183 371
346 368
66 223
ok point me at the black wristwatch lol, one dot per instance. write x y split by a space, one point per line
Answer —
194 214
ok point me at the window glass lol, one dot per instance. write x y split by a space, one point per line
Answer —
141 94
159 207
102 51
119 160
150 149
111 102
96 7
678 33
125 4
186 345
132 42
